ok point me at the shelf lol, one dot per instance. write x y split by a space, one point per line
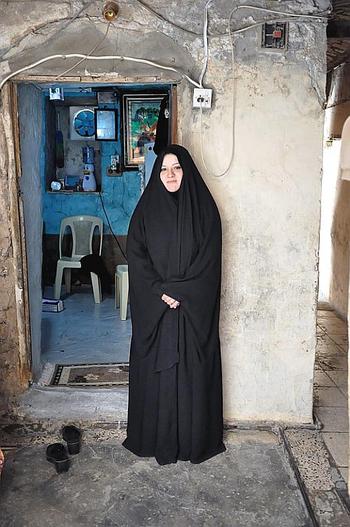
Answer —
70 192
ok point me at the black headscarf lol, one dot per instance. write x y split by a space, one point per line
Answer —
174 247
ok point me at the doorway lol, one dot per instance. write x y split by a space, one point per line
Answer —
331 367
63 139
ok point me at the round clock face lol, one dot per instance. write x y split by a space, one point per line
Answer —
84 123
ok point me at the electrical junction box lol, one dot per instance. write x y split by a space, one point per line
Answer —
202 98
274 35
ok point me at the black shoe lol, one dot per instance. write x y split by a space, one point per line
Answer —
72 435
57 454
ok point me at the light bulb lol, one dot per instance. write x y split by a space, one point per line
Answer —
110 11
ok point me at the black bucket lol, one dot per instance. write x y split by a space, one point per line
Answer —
57 455
72 435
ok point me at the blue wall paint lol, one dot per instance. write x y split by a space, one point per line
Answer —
119 194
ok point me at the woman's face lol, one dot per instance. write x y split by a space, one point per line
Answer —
171 173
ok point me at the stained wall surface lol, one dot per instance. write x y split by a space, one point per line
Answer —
267 116
30 112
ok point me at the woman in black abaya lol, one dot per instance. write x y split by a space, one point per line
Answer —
174 258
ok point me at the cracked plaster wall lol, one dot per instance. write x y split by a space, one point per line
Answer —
269 200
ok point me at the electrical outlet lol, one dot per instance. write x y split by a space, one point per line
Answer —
202 98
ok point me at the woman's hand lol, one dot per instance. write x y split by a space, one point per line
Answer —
172 303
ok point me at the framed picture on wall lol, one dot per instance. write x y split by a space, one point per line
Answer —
140 118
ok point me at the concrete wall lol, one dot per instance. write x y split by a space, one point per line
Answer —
335 225
270 198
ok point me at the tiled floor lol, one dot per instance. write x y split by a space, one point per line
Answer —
85 332
331 386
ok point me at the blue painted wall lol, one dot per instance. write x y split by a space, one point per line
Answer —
119 194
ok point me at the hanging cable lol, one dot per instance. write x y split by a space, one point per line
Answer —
101 57
205 43
89 54
166 20
224 172
323 14
291 16
110 227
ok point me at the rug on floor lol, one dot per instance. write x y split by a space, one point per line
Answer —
111 374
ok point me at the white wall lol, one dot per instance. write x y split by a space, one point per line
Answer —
270 207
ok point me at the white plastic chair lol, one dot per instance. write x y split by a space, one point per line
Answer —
82 228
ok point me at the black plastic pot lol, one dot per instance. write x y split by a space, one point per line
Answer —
57 454
72 435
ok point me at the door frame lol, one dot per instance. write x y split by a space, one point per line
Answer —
10 98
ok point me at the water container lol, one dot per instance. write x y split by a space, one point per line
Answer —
88 154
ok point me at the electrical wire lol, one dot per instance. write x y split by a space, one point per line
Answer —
205 43
101 57
226 171
273 11
110 227
163 19
89 56
90 53
231 33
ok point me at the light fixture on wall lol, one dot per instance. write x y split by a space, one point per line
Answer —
110 11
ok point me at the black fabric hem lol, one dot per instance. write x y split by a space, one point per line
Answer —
217 451
208 455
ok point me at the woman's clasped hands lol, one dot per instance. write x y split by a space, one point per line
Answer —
172 303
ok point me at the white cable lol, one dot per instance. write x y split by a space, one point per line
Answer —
102 57
257 24
205 42
230 32
277 12
89 54
226 171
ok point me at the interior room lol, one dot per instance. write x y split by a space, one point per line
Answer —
86 157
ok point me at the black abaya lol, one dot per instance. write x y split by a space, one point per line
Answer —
175 383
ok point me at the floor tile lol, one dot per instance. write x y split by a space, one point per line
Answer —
344 472
338 445
339 377
326 314
334 362
329 396
344 391
333 419
324 344
322 379
341 340
333 327
85 332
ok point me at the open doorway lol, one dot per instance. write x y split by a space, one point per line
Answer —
86 151
331 367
